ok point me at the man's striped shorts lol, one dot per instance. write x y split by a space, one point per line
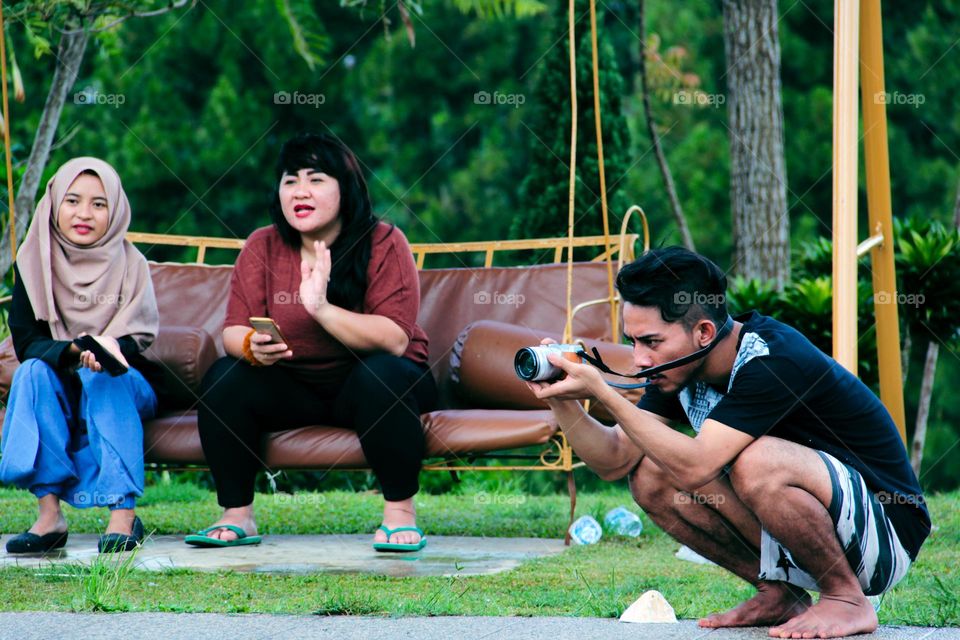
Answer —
867 537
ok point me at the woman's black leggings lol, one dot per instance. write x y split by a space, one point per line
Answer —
381 399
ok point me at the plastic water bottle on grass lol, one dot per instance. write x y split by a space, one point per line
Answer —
585 530
623 522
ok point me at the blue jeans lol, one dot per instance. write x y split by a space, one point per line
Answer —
87 451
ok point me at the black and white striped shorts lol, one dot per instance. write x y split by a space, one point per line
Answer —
867 537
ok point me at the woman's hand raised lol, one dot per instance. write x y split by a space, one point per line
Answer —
314 279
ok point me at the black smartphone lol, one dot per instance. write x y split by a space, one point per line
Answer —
106 359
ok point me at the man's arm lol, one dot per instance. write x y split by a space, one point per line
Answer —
692 462
606 450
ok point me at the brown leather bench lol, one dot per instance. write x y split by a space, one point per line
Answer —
483 406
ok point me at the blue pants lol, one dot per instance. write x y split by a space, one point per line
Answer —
88 451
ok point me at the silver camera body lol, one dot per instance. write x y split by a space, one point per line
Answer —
531 363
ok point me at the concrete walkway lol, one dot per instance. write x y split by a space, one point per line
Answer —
443 555
170 626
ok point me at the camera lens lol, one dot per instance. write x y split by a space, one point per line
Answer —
525 362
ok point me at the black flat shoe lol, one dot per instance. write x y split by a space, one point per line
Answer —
32 543
113 542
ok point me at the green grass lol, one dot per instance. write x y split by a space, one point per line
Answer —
599 580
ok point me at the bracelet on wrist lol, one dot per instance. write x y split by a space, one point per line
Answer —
247 352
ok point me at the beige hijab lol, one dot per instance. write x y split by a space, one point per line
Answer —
100 289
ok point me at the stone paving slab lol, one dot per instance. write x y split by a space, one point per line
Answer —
443 555
170 626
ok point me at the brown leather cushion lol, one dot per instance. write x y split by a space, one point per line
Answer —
462 431
450 299
481 364
192 295
173 438
185 354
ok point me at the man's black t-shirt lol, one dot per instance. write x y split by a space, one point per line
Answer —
783 386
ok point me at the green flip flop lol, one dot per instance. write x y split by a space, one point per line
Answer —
394 546
202 539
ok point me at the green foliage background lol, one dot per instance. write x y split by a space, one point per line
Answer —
198 130
544 192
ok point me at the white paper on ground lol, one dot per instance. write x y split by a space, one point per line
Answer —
688 554
650 607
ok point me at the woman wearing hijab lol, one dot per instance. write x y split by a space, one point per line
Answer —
72 431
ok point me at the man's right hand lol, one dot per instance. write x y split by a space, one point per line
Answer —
536 388
266 351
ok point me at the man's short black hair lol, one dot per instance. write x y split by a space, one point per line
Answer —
683 285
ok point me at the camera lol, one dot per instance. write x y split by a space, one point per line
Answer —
531 363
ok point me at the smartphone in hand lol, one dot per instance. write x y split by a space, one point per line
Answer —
269 327
112 362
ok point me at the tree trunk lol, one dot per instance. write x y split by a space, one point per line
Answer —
655 139
905 352
69 56
758 183
956 209
923 408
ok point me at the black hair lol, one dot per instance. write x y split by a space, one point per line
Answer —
350 252
683 285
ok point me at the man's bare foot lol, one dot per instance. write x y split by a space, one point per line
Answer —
831 617
774 603
398 514
239 517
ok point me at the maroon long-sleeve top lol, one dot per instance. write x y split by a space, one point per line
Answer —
266 282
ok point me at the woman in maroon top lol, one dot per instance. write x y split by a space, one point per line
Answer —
344 291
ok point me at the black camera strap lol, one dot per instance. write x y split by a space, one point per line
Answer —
597 361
